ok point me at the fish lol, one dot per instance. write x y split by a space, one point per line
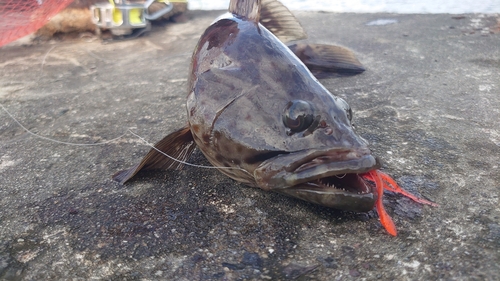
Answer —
258 113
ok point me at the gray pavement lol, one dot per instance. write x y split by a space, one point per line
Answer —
429 103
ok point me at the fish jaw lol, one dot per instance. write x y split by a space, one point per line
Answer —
326 177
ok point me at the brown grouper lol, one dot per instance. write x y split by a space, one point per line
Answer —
256 111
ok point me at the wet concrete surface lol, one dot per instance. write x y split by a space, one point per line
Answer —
429 103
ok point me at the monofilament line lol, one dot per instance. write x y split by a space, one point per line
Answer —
180 161
58 141
45 57
109 141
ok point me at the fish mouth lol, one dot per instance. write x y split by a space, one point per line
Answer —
330 178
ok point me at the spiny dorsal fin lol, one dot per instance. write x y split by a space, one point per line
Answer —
324 60
179 144
280 21
249 9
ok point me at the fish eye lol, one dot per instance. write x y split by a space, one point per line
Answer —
298 116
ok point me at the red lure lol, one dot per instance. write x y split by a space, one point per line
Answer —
384 181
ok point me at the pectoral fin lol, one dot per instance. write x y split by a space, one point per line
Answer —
178 145
324 60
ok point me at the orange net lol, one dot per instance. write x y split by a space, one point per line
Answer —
19 18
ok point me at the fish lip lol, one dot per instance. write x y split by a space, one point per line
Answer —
333 197
326 177
355 161
321 176
314 175
318 187
314 157
287 170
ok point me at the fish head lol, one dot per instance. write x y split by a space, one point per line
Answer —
258 113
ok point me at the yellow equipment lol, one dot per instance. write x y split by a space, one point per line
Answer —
123 16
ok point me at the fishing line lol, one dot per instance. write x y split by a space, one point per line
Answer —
44 58
180 161
112 140
54 140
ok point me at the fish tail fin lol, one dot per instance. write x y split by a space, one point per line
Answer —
249 9
327 59
179 145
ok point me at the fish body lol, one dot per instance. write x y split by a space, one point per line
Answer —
256 111
248 90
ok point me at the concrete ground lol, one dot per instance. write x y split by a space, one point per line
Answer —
429 103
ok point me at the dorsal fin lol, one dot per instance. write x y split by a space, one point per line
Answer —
249 9
280 21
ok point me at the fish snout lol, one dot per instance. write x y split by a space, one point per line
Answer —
287 170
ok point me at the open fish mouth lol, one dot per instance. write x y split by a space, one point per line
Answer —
329 178
346 183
